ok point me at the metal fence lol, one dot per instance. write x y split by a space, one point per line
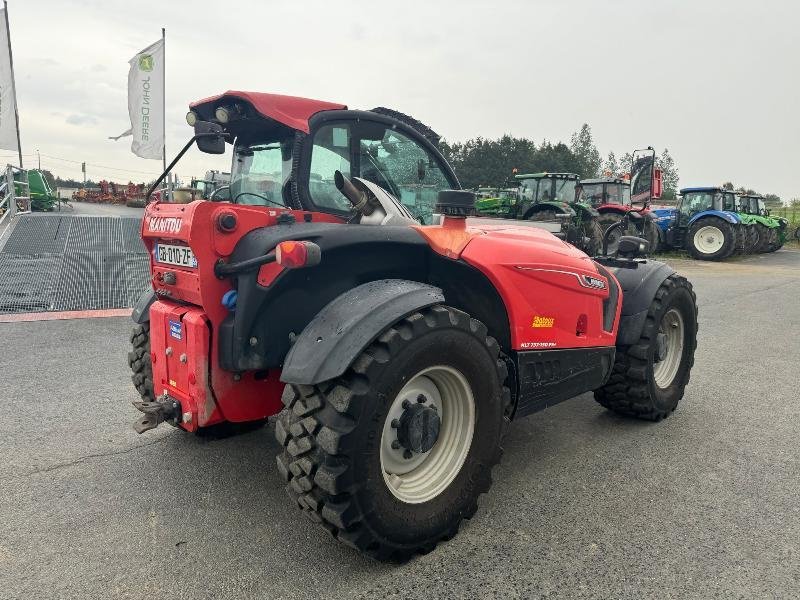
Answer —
13 202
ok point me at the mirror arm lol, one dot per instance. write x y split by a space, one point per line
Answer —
163 176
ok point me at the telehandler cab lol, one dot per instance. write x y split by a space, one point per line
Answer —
395 353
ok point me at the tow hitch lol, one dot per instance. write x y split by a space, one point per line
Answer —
164 408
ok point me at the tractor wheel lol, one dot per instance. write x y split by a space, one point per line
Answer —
391 456
651 233
774 240
763 238
605 221
741 239
752 239
594 233
648 378
711 238
141 364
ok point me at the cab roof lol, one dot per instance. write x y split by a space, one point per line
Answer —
703 189
606 180
291 111
546 174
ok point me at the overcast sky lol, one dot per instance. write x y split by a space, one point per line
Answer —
716 82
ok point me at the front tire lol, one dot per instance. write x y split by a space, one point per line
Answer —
711 238
348 458
649 377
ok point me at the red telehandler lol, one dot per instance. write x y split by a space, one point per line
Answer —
394 353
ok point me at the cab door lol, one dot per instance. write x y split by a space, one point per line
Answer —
381 150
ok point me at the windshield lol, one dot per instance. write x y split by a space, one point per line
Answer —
564 190
259 173
592 193
695 202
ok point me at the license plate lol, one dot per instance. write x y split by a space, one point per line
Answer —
181 256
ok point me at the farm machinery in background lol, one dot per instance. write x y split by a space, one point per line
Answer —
769 233
549 199
109 192
611 197
582 211
712 223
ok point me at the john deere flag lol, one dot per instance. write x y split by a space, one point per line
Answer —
146 101
8 103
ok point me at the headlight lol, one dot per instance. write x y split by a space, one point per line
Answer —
191 118
222 114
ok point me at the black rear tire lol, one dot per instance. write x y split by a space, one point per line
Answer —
728 239
332 435
140 363
593 232
763 238
632 389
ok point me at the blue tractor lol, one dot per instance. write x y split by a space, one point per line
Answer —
705 223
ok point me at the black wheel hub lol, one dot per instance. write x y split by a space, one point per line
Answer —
418 427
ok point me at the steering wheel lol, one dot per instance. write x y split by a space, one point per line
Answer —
240 194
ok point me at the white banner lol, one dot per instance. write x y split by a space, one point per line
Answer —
8 105
146 101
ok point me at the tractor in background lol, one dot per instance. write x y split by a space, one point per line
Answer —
705 223
611 198
769 232
549 199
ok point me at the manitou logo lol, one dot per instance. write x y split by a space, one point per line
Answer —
164 224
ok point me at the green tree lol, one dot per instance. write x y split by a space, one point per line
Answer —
669 175
582 146
772 200
727 186
611 165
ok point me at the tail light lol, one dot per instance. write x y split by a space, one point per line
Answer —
296 255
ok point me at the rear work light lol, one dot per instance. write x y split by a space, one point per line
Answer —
296 255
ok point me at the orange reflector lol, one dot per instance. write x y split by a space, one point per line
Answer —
296 255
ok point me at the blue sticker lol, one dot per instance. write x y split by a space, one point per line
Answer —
175 329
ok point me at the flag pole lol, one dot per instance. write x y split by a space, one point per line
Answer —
163 100
13 84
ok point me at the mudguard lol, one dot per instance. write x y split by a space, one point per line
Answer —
339 332
639 287
141 310
559 207
722 214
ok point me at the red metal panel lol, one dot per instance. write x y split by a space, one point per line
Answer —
291 111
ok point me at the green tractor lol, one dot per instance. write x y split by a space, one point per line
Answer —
548 197
770 232
39 190
496 202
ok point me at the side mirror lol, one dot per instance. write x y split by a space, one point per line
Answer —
631 246
210 144
642 176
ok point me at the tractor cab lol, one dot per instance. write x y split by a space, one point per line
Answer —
538 191
606 192
287 150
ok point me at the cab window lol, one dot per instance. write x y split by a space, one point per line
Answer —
330 153
401 166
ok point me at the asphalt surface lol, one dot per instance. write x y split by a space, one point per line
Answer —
584 504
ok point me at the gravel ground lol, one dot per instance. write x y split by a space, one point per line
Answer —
585 504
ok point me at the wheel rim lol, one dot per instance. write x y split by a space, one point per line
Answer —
670 339
425 475
709 239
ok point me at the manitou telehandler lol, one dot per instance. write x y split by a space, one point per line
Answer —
395 353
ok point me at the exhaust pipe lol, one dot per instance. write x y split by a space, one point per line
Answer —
358 199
